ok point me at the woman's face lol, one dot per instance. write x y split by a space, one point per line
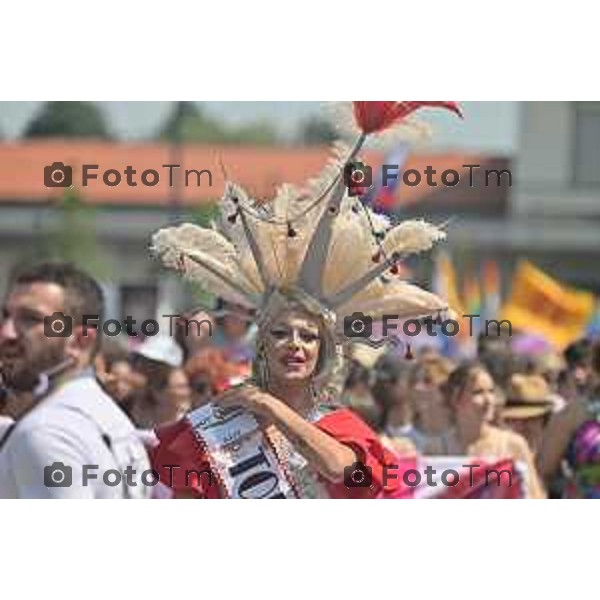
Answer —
123 380
176 399
292 344
480 397
399 392
429 406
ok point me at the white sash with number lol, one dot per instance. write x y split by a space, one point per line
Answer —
247 462
244 462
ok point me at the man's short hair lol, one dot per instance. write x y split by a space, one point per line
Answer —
83 295
579 353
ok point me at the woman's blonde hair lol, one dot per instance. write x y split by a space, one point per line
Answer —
434 370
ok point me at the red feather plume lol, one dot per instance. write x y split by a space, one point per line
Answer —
372 117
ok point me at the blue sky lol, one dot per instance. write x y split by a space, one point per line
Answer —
488 126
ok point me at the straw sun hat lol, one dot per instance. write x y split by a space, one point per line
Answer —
528 397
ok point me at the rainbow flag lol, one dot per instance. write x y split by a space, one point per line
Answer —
472 300
445 285
593 327
445 282
492 294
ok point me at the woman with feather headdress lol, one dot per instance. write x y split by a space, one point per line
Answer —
307 261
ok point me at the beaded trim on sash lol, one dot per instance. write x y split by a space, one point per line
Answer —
304 478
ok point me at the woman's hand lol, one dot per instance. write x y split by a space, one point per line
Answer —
247 396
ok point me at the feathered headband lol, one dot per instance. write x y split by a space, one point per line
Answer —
320 241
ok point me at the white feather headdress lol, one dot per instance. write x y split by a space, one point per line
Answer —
318 242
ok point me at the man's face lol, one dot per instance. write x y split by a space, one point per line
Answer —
25 351
234 326
198 331
429 406
582 374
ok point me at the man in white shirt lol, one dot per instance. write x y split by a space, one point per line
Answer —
5 425
74 441
5 421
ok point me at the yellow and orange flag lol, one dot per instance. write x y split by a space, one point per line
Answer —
540 304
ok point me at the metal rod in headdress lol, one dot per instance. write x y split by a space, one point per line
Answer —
347 293
241 212
313 265
256 253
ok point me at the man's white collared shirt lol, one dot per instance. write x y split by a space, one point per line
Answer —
76 443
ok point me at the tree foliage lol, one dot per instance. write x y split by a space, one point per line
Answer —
73 236
189 122
68 119
316 131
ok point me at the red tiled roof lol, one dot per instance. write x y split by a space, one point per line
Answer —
259 169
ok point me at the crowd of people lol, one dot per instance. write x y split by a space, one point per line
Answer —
166 377
538 410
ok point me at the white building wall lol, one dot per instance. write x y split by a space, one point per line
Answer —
544 165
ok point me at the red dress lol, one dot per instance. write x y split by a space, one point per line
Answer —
178 446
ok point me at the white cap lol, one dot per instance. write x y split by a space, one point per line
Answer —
162 348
